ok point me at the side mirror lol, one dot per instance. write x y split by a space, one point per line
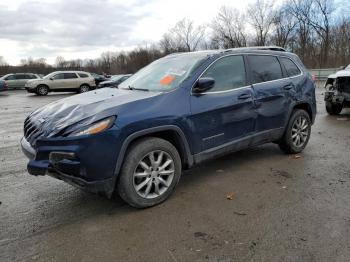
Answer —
203 84
51 78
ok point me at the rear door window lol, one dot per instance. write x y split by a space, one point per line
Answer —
264 68
290 66
21 76
70 75
228 72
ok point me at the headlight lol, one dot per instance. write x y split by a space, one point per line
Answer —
95 128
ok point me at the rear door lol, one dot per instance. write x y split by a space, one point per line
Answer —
226 112
272 93
71 81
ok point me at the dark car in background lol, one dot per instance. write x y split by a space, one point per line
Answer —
114 81
3 86
176 112
18 80
99 78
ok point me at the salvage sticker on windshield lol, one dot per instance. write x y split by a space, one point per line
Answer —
167 80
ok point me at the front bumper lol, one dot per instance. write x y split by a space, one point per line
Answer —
87 162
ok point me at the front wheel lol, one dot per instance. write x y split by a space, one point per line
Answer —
42 90
150 173
333 109
297 133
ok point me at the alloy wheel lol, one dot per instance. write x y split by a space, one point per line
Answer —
154 174
300 131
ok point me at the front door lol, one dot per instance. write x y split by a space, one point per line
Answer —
226 112
57 81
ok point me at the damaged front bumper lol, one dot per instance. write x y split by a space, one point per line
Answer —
86 162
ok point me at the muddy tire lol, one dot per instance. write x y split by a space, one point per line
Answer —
333 109
42 90
150 172
297 133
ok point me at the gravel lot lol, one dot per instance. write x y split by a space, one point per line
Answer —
283 208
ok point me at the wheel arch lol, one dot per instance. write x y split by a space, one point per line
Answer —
42 84
84 84
170 133
306 107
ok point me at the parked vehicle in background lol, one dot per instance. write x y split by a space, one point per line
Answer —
3 86
62 81
337 95
176 112
18 80
99 78
114 81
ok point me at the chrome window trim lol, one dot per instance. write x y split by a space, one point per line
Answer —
239 88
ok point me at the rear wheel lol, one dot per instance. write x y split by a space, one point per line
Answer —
42 90
333 109
84 89
151 171
297 134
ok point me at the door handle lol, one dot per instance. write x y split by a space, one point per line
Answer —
288 87
244 96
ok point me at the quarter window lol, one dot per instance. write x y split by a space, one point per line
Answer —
264 68
228 73
290 66
83 75
70 75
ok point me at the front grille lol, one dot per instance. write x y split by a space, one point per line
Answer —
32 131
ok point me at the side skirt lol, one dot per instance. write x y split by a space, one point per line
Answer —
239 144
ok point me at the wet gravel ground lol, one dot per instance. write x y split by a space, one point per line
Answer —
283 208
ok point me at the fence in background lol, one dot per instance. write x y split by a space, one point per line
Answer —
322 74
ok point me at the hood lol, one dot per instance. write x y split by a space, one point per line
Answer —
343 73
85 108
108 82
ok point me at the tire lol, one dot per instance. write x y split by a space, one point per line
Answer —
42 90
333 109
299 125
134 174
84 89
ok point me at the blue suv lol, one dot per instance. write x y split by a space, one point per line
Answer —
176 112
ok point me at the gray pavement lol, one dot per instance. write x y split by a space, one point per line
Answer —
282 209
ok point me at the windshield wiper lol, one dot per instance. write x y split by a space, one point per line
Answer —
134 88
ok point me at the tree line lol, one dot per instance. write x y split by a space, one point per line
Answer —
317 30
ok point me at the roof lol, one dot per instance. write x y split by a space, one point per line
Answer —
258 49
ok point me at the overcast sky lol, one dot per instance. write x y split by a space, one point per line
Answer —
86 28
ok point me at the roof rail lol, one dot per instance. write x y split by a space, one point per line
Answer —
271 48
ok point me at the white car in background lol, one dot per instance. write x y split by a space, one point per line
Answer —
337 95
62 81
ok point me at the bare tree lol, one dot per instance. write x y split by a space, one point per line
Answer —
186 35
229 28
261 17
284 28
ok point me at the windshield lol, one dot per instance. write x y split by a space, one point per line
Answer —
49 75
166 73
